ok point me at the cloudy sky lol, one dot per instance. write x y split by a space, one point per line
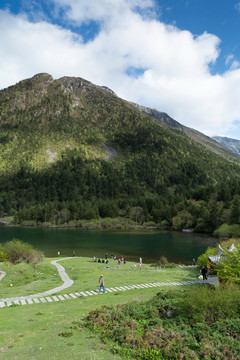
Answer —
178 56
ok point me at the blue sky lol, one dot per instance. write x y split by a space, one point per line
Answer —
221 18
178 56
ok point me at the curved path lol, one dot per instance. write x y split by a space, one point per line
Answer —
45 297
67 282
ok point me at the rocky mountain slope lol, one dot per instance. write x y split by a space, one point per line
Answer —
231 144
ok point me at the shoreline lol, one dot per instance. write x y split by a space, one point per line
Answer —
110 224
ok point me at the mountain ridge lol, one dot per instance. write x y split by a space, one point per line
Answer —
231 144
195 135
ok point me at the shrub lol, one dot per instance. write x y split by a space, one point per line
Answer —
18 251
228 269
163 262
3 254
203 259
205 325
226 230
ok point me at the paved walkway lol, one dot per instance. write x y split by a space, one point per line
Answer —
67 282
45 299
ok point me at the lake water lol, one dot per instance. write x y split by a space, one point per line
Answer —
176 246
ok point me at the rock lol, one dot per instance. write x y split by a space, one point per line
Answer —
169 314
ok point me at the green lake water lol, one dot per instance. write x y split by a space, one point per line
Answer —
176 246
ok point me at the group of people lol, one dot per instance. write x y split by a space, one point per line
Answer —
121 259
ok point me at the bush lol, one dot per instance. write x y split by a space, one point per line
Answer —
18 251
228 269
163 262
3 254
226 230
204 325
203 259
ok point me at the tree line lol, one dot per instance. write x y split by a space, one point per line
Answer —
143 188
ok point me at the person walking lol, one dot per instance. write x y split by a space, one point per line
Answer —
101 282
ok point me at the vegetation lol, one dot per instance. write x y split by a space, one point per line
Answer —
228 267
54 172
200 324
227 231
17 251
196 322
56 330
85 273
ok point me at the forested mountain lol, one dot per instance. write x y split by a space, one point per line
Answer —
71 150
216 144
231 144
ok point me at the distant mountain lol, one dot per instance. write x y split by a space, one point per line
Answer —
231 144
71 150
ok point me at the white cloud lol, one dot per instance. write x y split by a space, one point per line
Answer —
232 62
229 59
237 6
172 66
100 10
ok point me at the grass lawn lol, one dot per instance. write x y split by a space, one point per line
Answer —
54 330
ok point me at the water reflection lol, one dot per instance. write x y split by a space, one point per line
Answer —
177 247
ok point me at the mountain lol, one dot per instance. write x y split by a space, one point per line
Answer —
213 144
71 150
231 144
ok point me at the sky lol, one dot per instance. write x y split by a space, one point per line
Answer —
181 57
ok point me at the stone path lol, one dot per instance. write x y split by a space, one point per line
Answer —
43 298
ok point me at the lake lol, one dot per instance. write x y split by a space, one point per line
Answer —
175 246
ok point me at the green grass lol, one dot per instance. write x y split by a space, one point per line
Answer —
85 274
204 324
40 331
22 279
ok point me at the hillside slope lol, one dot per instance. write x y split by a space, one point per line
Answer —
218 145
71 150
231 144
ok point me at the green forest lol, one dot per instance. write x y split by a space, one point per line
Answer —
160 175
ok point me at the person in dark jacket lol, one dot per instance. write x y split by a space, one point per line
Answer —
204 273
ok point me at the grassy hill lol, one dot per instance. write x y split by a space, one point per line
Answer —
71 150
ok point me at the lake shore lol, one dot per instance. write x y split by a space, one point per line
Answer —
121 224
